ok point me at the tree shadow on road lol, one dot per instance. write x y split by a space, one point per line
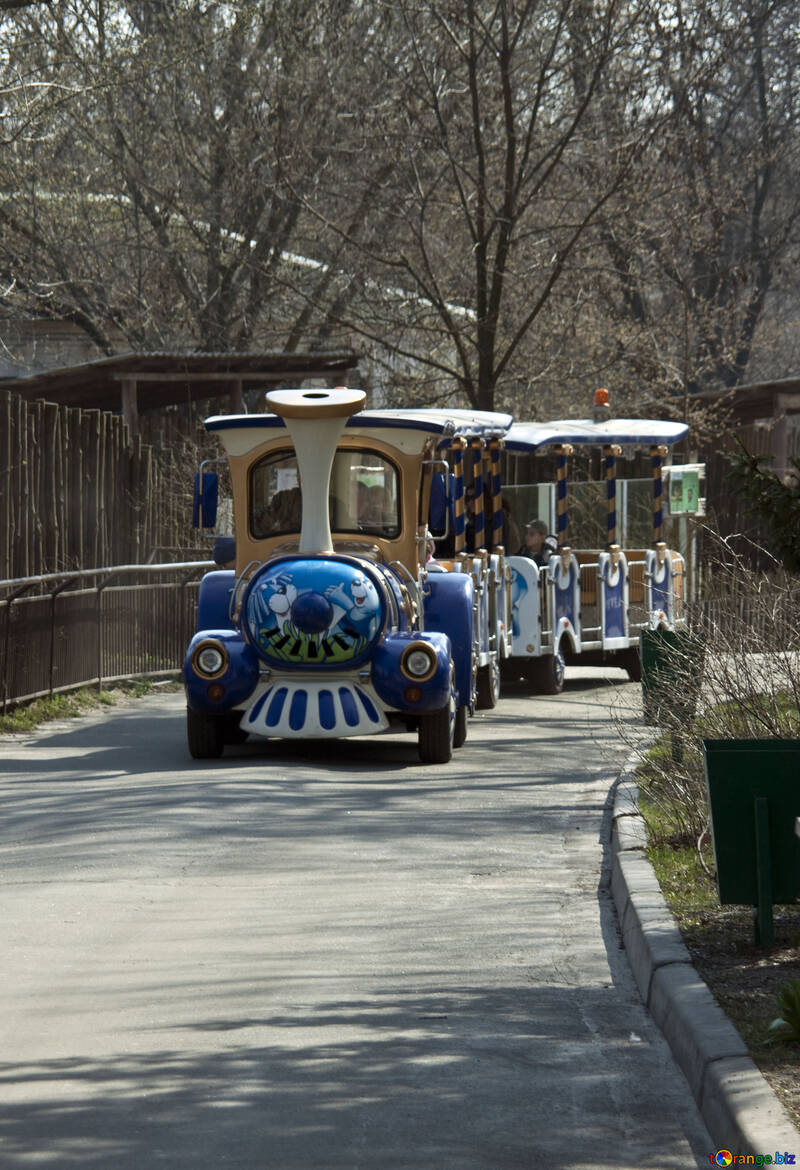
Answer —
457 1079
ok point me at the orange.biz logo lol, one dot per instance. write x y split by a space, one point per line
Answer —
726 1158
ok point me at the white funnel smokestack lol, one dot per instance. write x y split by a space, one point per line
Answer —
315 419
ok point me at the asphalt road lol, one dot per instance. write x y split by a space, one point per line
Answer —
326 955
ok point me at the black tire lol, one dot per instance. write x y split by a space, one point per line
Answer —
547 673
437 731
488 686
460 729
206 735
436 736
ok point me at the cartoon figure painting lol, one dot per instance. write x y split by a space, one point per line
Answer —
274 600
565 580
314 613
612 572
658 575
525 606
519 587
355 604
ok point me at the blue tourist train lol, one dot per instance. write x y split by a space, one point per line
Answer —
334 612
373 583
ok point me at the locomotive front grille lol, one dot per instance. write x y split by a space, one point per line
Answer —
315 709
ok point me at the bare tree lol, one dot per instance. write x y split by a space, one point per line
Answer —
160 203
499 199
483 124
712 208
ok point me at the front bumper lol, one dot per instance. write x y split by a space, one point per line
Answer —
306 708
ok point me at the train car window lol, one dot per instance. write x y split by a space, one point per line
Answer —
275 495
364 495
369 485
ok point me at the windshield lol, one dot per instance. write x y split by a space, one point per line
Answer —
364 495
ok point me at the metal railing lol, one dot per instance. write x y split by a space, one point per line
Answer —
89 626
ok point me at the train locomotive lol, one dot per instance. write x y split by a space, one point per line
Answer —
327 616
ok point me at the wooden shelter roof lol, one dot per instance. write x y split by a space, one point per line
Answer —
134 382
758 400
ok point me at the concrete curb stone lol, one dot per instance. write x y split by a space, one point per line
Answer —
736 1103
649 937
695 1025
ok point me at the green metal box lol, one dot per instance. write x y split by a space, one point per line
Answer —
739 774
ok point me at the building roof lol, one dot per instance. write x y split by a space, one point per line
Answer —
164 379
757 400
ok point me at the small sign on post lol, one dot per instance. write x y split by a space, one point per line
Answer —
753 797
685 486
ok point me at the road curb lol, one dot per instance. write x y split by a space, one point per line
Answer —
740 1110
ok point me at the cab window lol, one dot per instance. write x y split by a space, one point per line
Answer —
364 495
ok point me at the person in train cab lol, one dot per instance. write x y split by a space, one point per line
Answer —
511 538
539 545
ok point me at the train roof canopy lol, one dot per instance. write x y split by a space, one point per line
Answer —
434 421
627 432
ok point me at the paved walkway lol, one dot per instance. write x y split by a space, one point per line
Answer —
326 955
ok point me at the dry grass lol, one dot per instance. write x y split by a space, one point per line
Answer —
744 685
71 704
744 979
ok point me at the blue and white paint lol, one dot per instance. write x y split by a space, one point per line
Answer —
564 579
659 586
612 574
321 612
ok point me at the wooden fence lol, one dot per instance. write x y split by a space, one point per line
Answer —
77 491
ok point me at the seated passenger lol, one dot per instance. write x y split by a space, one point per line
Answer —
376 509
362 500
539 546
431 563
282 514
511 538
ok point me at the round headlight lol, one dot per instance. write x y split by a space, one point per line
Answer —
209 660
418 662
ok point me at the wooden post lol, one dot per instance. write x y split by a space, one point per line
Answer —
479 516
130 405
495 447
235 399
7 433
657 454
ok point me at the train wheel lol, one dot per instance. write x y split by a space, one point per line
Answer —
206 735
437 731
488 686
460 729
547 673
